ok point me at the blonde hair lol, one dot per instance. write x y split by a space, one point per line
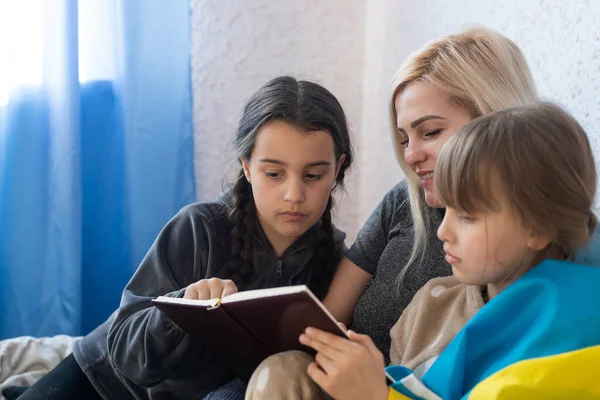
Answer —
539 158
481 71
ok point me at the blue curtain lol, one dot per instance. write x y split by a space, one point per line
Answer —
90 170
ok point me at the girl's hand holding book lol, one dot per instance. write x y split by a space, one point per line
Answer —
213 288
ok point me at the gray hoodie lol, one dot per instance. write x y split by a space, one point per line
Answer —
139 353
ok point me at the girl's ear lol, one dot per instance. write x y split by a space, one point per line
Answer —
538 241
246 169
339 165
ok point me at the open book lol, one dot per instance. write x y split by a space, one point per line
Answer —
245 328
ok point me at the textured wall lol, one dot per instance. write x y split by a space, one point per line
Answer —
353 47
561 40
237 45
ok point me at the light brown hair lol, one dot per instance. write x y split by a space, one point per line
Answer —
539 159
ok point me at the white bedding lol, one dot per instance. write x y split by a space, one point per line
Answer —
25 359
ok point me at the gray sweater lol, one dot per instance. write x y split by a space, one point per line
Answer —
139 352
382 249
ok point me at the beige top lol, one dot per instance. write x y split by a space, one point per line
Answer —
436 314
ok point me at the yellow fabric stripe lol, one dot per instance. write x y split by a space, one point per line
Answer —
572 375
396 395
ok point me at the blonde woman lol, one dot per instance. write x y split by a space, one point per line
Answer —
438 89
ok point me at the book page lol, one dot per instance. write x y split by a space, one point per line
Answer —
261 293
191 302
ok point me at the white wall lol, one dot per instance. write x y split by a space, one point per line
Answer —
353 47
237 45
560 39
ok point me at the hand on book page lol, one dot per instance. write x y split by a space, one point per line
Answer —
213 288
346 368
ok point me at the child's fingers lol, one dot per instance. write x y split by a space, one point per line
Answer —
357 337
317 374
229 288
216 288
365 341
203 291
329 339
321 347
199 290
327 364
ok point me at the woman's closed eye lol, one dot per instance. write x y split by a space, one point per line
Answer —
433 133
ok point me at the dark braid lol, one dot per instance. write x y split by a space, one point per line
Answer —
243 216
325 263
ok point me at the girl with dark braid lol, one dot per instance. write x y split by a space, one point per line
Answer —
273 228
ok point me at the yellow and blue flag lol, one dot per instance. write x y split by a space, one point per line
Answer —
538 339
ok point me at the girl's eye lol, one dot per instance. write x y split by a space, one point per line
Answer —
313 177
467 218
404 142
272 175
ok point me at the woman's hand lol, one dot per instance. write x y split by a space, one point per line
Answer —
212 288
346 369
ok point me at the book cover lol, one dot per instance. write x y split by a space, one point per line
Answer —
245 328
